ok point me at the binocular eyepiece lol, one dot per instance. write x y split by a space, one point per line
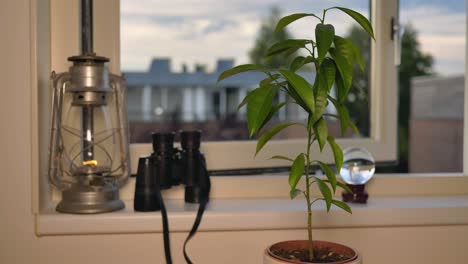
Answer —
190 140
164 142
168 166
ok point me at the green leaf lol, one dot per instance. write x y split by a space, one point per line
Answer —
272 112
269 79
337 153
279 84
271 133
360 19
294 193
324 35
285 45
258 107
300 61
350 51
343 55
297 63
326 193
282 158
310 122
322 86
341 185
345 187
296 172
244 101
320 99
283 22
344 119
340 88
293 94
238 69
321 132
354 128
342 205
346 48
302 88
342 113
330 175
358 57
328 70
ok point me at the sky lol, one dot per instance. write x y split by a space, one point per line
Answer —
202 31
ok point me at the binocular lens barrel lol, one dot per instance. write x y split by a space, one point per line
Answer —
163 142
173 166
163 147
146 188
192 165
190 139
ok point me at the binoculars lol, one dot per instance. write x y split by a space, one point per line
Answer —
168 166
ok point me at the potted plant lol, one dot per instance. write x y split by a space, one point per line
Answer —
333 58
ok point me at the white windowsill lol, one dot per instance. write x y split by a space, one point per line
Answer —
262 214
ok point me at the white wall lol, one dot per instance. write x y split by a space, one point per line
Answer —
379 246
18 243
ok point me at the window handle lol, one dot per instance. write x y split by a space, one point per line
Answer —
396 37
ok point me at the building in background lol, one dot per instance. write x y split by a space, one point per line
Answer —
436 124
160 100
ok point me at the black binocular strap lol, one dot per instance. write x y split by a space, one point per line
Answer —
197 222
165 222
205 194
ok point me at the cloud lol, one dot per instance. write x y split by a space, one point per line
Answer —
201 31
441 33
204 30
218 26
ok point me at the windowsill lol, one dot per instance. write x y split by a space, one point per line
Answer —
262 214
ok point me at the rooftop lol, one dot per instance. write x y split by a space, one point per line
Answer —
160 74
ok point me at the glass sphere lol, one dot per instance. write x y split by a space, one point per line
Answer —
358 166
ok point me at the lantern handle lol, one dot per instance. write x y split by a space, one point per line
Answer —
58 86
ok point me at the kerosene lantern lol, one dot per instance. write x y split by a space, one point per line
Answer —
89 157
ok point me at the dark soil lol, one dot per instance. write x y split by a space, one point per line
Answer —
321 255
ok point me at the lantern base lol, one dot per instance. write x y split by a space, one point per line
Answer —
88 199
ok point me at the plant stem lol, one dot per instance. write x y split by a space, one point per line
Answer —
309 203
318 18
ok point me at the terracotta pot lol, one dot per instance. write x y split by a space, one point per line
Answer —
270 258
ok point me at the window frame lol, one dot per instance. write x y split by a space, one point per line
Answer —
239 154
51 21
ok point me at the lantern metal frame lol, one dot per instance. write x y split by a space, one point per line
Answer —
87 186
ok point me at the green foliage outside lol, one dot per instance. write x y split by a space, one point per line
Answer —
333 58
358 97
413 63
267 36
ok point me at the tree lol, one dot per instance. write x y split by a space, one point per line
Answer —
267 37
413 63
358 97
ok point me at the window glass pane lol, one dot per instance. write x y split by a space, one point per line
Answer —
173 51
432 85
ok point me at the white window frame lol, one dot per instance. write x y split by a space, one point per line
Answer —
383 118
52 42
239 154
